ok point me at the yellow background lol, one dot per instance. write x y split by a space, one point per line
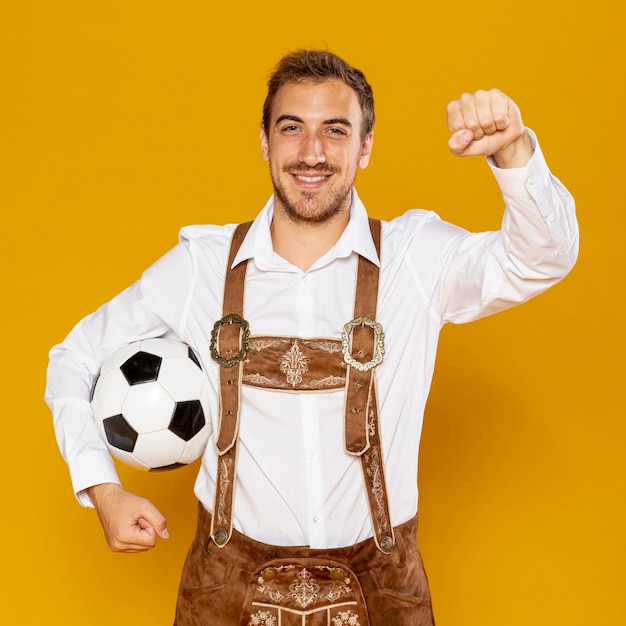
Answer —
122 121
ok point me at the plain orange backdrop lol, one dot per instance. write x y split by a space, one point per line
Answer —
120 122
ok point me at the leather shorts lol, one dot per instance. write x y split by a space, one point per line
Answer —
249 583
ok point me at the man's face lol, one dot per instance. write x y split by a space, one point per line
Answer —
314 148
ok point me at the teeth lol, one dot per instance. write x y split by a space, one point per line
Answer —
310 179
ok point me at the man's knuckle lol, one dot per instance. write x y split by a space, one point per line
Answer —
501 120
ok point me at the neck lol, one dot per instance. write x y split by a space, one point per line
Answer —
302 243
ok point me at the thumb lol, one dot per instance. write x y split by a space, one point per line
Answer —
460 141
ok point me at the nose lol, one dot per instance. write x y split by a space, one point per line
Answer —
311 150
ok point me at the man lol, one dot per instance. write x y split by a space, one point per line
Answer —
307 489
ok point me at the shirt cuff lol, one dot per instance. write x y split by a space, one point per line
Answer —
89 469
519 182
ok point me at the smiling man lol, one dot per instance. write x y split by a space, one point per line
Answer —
308 487
315 138
314 154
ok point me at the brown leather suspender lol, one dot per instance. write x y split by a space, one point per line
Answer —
362 344
229 338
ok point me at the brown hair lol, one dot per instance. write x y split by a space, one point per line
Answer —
319 65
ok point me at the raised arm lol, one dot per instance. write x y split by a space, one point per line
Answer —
537 244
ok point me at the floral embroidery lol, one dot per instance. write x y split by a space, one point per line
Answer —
260 344
329 381
258 380
330 346
346 617
371 423
263 617
304 590
374 471
294 364
335 383
224 481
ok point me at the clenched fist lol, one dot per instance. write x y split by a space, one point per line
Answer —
488 123
130 523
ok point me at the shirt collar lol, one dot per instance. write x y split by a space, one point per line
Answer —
356 237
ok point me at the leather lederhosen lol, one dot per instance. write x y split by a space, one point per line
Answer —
283 586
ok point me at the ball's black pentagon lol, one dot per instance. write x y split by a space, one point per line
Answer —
194 358
142 367
119 433
165 468
187 419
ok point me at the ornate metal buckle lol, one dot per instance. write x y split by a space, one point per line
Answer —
245 338
379 343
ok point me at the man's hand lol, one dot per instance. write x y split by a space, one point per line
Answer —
130 523
488 123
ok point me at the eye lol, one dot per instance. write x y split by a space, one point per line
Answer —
291 128
334 131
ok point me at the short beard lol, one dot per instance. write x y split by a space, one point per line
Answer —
306 209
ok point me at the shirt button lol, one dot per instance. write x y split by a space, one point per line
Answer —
316 519
313 456
531 180
551 218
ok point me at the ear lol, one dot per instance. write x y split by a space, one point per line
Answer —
366 150
265 145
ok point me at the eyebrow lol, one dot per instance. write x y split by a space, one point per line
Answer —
334 120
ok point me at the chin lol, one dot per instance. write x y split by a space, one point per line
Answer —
310 209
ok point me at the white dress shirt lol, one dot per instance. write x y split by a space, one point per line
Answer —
296 485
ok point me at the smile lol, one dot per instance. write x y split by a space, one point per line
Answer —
310 179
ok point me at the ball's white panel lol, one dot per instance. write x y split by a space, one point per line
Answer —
120 356
109 393
194 449
206 407
159 449
148 407
129 459
164 347
182 378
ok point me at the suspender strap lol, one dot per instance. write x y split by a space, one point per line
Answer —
229 342
363 343
360 343
362 346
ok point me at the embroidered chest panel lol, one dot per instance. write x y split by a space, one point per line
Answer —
294 364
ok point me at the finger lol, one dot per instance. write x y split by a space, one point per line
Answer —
152 516
485 112
460 141
132 539
468 105
500 105
454 118
144 533
138 536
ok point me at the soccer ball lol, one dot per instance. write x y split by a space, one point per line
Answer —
150 404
